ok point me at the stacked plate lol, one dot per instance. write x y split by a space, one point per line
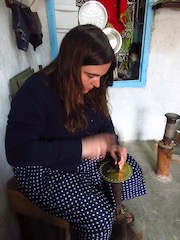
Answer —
93 12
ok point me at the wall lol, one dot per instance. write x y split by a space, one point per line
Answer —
12 62
138 113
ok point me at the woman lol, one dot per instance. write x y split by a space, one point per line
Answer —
59 129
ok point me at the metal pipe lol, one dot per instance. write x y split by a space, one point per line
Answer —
170 127
164 159
165 146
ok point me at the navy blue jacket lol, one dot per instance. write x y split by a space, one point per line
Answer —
36 134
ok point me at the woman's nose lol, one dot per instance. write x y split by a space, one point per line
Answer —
96 82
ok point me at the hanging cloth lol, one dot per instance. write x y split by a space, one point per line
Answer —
27 26
35 28
117 13
20 26
36 35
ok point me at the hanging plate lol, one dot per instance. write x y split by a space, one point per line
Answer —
114 37
93 12
111 173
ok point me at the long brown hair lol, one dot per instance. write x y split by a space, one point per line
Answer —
83 45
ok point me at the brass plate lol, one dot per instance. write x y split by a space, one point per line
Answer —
111 173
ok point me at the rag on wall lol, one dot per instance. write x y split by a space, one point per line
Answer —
27 26
117 13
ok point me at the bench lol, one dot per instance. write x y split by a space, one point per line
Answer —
22 206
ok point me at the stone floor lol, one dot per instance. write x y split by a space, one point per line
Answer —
157 214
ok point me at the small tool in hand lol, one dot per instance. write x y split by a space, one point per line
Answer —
118 155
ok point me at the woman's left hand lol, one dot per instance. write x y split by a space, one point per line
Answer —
122 152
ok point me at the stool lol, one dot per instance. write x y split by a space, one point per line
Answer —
21 205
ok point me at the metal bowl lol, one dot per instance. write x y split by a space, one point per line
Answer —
114 37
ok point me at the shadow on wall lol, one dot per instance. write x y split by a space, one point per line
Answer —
146 148
140 120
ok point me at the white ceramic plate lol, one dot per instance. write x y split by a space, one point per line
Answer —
93 12
114 37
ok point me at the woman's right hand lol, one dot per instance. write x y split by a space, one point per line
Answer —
98 145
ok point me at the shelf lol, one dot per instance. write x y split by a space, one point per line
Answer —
166 4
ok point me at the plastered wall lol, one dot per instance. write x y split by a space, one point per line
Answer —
138 113
13 61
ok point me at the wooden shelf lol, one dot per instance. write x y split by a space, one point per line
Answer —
166 4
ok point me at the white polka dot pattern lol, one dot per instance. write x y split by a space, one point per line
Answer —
81 197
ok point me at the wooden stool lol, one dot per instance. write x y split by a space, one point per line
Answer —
21 205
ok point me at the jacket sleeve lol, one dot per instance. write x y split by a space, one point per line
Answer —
25 143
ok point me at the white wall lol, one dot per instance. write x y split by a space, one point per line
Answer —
138 113
13 61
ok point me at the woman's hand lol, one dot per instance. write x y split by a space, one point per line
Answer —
98 145
119 154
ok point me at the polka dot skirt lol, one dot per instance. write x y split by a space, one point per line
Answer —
135 185
82 197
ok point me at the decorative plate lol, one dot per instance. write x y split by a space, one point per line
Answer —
111 173
93 12
114 37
